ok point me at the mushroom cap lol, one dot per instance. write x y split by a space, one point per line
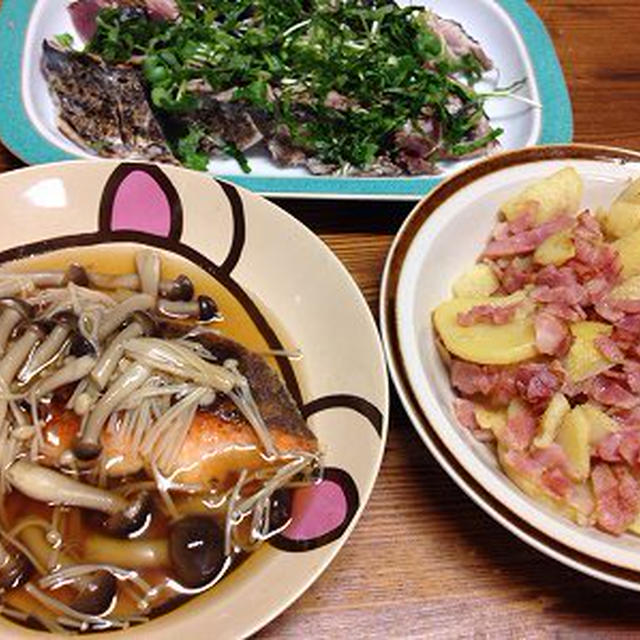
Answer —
15 570
280 509
96 593
77 274
196 550
80 346
67 318
131 519
207 307
85 450
181 289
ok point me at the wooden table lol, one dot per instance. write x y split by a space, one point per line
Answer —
424 561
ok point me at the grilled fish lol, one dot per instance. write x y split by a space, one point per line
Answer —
103 107
219 438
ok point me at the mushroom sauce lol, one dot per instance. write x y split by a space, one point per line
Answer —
147 444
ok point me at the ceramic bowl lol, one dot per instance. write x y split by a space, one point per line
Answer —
298 296
441 238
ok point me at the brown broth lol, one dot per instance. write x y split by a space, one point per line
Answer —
79 525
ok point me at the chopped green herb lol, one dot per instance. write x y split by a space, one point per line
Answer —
64 40
340 79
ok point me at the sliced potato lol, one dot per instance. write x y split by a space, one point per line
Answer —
584 358
556 249
558 194
551 420
621 219
477 282
631 193
577 510
600 424
494 420
629 289
628 248
634 527
486 343
573 437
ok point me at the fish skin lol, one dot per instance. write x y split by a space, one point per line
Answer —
103 107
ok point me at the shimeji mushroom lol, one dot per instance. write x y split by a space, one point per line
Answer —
203 308
88 446
142 324
12 311
95 590
62 325
196 550
15 568
52 487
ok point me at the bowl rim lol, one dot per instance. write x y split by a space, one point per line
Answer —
388 310
360 306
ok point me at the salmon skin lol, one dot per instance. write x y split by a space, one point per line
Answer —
220 440
103 107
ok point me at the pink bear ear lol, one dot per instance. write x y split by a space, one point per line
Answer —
320 513
140 198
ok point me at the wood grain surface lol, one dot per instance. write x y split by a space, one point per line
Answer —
424 561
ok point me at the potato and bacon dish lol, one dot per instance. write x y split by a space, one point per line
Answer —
542 341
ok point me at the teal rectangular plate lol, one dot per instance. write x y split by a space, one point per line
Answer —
22 138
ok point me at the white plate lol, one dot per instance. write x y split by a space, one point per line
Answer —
442 237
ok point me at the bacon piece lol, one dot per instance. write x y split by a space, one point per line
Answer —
617 497
465 412
566 311
609 349
557 482
515 276
488 314
597 289
472 378
553 276
521 429
608 448
610 393
571 295
630 324
536 382
552 335
546 467
632 371
527 241
606 310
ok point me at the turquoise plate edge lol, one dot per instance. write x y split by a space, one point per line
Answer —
22 138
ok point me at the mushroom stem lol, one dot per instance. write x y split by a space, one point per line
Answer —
15 285
204 308
8 322
89 444
114 281
96 589
14 568
43 355
131 554
73 370
148 267
109 359
179 289
52 487
116 316
18 352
